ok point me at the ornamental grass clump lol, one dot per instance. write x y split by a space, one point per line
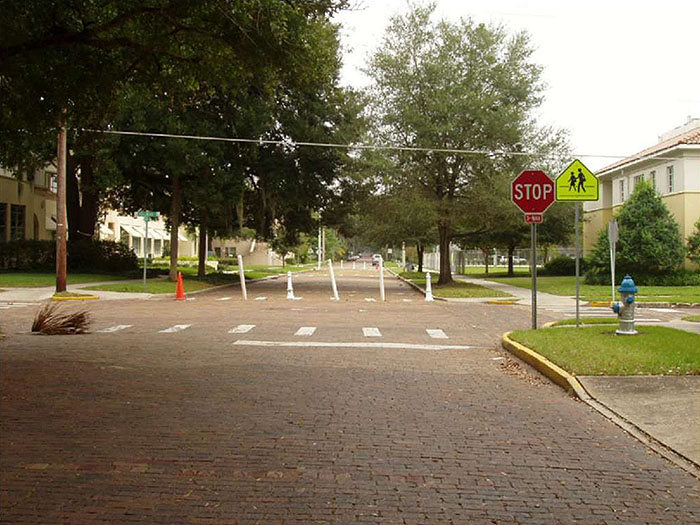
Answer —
49 321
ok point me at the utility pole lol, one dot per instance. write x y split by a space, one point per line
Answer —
61 252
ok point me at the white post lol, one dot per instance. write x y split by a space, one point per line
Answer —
428 288
403 255
335 289
241 276
381 280
341 264
290 288
353 265
323 246
364 265
318 253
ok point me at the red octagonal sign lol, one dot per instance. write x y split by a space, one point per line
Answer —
532 191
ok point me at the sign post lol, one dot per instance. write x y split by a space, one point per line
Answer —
147 216
577 184
533 192
612 239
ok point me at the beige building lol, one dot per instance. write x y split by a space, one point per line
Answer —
253 252
28 206
672 166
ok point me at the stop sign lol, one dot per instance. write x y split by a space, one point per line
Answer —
532 191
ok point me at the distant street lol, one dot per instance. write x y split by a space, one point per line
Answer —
215 410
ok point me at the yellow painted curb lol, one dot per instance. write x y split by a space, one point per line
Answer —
76 298
599 303
502 301
557 374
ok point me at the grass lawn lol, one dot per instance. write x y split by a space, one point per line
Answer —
494 272
455 290
154 286
37 280
567 286
597 350
692 318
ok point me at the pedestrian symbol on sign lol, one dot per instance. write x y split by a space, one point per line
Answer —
576 183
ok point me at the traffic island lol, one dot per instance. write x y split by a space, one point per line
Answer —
73 296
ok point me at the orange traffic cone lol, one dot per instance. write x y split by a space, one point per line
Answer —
180 290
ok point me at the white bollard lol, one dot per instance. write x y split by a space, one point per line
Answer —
341 264
241 276
364 265
353 265
290 288
381 280
428 288
335 288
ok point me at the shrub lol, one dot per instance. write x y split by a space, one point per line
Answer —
84 255
694 244
649 242
562 266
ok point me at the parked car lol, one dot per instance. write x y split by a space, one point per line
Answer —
375 259
353 257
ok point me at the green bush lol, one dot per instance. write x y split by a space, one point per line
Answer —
649 241
84 255
562 266
675 278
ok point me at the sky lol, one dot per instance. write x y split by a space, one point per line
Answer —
619 73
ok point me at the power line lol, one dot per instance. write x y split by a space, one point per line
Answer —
351 146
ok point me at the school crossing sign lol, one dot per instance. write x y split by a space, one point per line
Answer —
576 183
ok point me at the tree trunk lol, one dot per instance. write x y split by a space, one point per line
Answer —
445 233
175 204
511 250
82 197
420 251
486 260
72 196
202 267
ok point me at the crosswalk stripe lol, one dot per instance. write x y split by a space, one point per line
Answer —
371 332
241 329
224 298
436 333
351 344
306 330
176 328
261 298
115 328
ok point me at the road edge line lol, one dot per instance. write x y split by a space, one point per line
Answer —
572 385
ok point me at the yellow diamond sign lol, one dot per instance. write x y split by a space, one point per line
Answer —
576 183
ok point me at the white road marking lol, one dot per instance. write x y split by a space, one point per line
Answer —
176 328
664 310
308 344
370 299
261 298
224 298
371 332
436 333
241 329
114 328
407 300
306 330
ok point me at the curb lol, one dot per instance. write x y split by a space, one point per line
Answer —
569 383
413 285
76 298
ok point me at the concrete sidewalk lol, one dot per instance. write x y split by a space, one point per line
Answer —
44 293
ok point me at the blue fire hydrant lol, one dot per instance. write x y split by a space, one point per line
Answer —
625 308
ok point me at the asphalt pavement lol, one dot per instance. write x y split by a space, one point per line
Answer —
272 410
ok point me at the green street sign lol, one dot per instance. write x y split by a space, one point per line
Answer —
576 183
148 214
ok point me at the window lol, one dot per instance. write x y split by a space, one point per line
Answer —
669 176
230 251
17 218
136 245
652 179
622 191
637 179
3 221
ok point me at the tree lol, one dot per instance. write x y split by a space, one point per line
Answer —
649 238
694 244
440 87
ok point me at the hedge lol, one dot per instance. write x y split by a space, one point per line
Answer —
675 278
84 255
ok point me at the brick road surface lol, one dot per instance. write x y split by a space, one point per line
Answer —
138 426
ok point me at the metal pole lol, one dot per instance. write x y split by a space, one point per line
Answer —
335 289
577 248
381 280
533 270
145 255
61 252
241 276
